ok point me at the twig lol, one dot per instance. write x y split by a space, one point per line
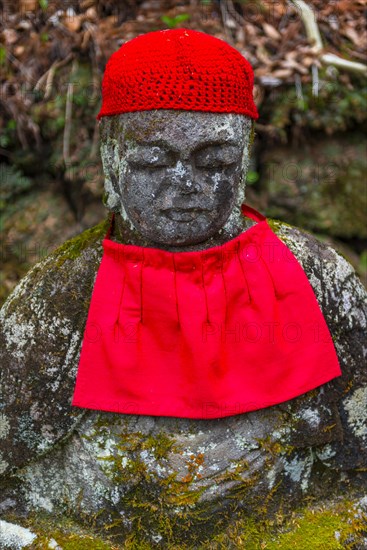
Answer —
298 84
332 59
315 80
68 113
227 21
232 11
48 76
313 34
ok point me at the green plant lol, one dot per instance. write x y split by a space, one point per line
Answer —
335 108
13 183
173 22
252 177
2 55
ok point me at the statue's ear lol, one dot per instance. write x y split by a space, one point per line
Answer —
110 161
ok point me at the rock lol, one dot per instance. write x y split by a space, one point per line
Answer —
170 479
15 537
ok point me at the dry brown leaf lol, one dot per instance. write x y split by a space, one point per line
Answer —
259 95
86 4
282 73
290 56
294 65
91 13
271 31
308 61
263 55
262 71
73 23
293 30
28 5
352 34
10 36
251 30
19 50
86 38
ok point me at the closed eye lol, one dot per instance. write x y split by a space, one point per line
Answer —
214 163
217 156
148 164
149 158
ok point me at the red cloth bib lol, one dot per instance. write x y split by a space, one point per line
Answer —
202 334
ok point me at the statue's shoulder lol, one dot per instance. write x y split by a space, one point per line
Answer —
71 266
41 328
337 286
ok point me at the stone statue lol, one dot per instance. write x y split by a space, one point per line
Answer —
174 179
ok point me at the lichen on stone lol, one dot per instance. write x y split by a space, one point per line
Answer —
356 407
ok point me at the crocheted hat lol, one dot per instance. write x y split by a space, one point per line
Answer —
178 69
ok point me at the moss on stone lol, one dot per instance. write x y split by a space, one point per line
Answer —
68 534
323 528
72 248
277 447
160 501
332 526
160 445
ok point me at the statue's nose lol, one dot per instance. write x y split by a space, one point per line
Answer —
184 177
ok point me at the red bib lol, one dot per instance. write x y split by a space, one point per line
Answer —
202 334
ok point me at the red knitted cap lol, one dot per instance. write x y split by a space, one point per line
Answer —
178 69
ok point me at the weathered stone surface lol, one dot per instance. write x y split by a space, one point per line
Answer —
170 476
176 178
42 323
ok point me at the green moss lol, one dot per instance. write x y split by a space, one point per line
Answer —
160 445
318 529
75 542
165 503
277 447
65 531
169 504
276 225
72 248
332 526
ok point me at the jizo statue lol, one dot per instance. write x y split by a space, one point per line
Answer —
185 303
191 303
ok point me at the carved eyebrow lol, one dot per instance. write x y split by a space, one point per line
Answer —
216 143
199 147
161 144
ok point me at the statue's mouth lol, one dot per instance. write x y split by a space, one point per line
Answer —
183 214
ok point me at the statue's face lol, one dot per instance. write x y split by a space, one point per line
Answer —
175 174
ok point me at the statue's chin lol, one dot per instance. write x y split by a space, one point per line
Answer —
184 233
177 241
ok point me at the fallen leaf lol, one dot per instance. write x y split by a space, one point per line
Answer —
28 5
271 31
282 73
73 23
10 36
